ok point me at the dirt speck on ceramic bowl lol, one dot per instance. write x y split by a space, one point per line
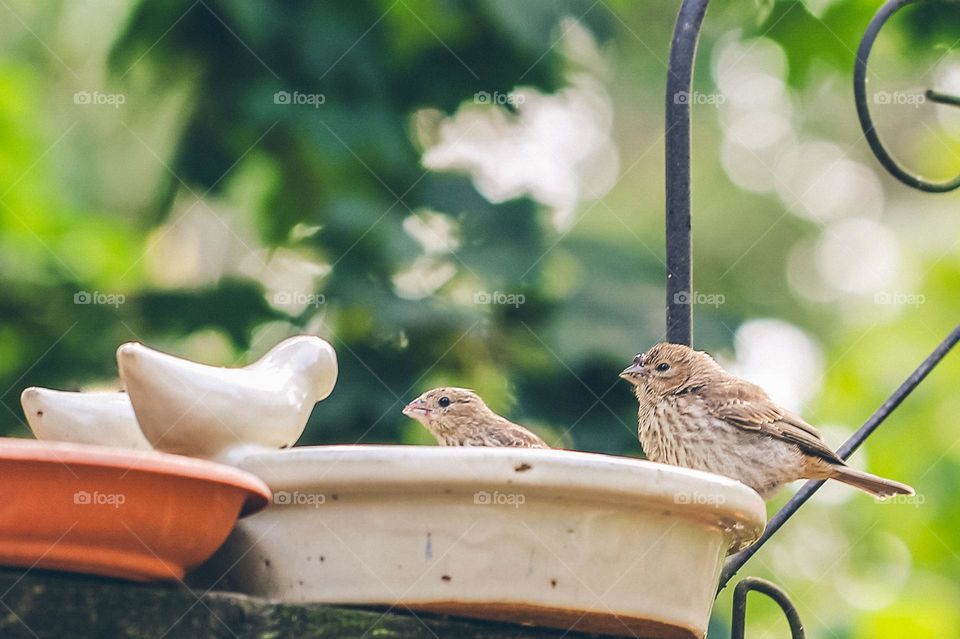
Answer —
553 538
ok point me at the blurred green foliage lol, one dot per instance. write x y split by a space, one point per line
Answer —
88 195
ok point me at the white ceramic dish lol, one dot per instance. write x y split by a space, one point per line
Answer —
556 538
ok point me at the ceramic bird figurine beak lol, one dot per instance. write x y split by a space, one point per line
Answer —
102 419
222 413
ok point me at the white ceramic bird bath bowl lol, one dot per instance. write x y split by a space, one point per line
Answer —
554 538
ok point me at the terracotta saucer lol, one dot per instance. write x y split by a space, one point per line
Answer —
137 515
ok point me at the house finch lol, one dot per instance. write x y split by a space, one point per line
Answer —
458 417
695 414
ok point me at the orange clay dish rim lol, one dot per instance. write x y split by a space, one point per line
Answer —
258 494
549 473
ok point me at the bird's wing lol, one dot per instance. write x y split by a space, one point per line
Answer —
513 435
747 405
793 429
740 402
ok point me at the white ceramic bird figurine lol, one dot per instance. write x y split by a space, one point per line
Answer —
102 419
221 413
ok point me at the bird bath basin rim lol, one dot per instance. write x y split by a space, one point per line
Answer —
591 477
545 537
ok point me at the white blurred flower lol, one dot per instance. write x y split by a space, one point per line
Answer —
858 255
779 357
435 232
751 73
423 278
818 182
556 149
202 242
291 278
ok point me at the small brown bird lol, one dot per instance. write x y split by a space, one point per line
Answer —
458 417
695 414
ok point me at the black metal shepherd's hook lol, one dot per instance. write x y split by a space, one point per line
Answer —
683 51
679 264
863 108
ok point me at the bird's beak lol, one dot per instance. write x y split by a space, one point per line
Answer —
416 409
632 372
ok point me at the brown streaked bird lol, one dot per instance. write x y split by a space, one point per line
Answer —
695 414
458 417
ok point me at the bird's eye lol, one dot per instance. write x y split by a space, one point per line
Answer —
663 367
444 402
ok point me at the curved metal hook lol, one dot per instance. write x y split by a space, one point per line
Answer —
738 625
683 51
863 110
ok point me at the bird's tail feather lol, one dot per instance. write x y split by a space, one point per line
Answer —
877 486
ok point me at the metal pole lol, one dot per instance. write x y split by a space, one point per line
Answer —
683 51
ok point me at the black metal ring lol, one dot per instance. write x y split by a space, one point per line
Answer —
863 110
738 622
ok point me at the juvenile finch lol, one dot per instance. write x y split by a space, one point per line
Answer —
458 417
695 414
